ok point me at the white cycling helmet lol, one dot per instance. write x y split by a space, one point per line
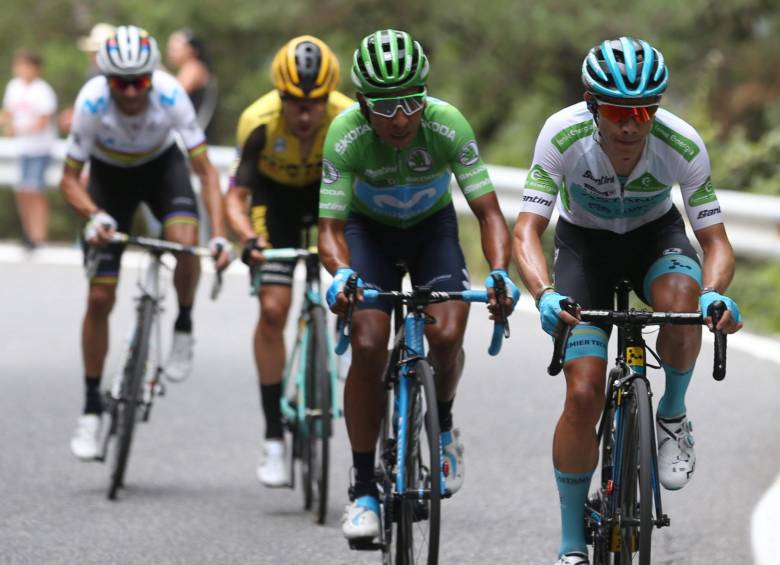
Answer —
129 51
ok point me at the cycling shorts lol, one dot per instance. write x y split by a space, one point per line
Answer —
281 213
163 184
429 250
589 263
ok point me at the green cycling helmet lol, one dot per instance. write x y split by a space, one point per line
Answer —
388 60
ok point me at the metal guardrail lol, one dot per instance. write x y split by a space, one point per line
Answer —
752 220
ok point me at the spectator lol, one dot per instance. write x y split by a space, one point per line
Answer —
187 53
89 44
29 105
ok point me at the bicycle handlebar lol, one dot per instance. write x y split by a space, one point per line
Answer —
280 254
500 327
639 318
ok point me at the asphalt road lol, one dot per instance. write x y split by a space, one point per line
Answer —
192 496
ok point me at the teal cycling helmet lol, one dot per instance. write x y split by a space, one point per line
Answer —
388 60
625 68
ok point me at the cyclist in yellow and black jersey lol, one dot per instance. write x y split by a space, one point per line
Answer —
280 139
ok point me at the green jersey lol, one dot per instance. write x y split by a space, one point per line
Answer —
399 187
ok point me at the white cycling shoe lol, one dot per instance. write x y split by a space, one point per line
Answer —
452 466
272 471
573 558
85 443
179 364
676 457
361 518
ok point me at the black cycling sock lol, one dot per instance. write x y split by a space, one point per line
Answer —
365 484
184 319
270 396
94 402
445 415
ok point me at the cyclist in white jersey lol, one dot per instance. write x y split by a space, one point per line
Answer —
123 124
611 163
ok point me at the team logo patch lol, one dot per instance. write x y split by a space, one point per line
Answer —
672 251
279 144
469 153
329 172
419 160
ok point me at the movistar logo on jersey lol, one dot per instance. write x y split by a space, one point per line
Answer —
646 183
350 136
538 179
568 137
402 201
684 146
419 160
469 154
703 195
95 106
441 129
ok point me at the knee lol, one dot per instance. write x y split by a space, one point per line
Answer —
100 301
675 293
273 317
445 341
584 403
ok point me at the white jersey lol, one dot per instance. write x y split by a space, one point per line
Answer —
569 161
101 130
27 103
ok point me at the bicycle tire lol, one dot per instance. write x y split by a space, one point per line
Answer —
636 502
125 410
419 518
319 408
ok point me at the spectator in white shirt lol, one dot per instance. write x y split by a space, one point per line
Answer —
29 106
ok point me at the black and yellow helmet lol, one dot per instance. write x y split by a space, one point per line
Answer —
305 67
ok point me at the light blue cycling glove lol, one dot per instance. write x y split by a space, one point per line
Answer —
339 280
511 288
550 308
713 296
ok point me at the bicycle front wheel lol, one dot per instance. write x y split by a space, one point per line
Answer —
125 408
318 417
420 505
636 478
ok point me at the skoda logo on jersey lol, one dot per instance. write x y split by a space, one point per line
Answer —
469 154
420 161
279 144
329 172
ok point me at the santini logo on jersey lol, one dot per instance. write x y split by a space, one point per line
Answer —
708 213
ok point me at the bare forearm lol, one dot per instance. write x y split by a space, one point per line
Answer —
718 268
333 248
495 240
236 212
212 196
529 256
74 194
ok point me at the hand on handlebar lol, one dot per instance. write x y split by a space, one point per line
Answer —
220 252
100 228
551 314
498 282
253 251
338 300
730 322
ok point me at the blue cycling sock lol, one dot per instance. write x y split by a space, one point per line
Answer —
672 403
573 493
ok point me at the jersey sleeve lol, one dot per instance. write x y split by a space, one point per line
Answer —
545 175
466 163
86 119
174 99
698 193
338 174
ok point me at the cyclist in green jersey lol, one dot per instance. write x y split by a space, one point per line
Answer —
384 199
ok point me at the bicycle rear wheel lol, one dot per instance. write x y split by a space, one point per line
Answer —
125 408
636 489
420 505
318 417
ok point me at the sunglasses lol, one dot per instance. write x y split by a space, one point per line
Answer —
139 83
619 114
409 104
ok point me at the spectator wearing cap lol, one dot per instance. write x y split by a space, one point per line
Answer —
29 105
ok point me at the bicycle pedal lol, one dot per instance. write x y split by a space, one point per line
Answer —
364 544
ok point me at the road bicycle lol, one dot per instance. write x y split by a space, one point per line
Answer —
621 516
132 392
409 471
310 382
